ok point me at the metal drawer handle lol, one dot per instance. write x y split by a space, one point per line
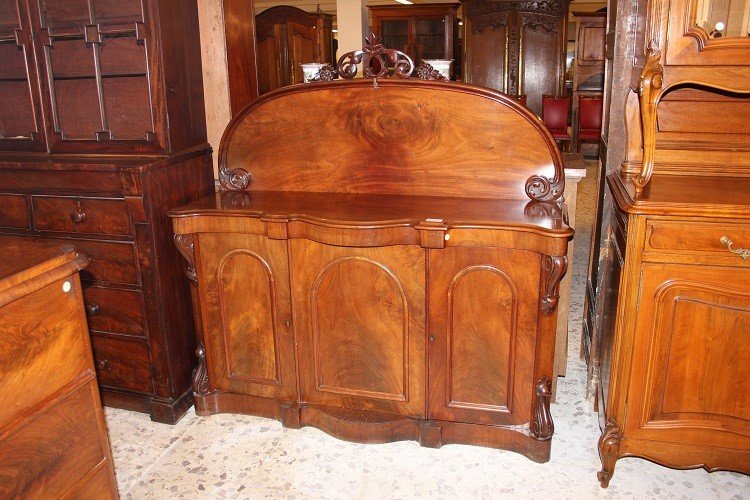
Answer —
92 309
744 253
79 215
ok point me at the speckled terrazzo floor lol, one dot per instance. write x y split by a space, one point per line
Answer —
236 456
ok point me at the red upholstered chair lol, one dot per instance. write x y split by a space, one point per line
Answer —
589 119
555 112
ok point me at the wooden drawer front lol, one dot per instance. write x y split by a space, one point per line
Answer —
111 262
115 311
13 211
695 237
61 181
53 452
81 215
122 364
43 337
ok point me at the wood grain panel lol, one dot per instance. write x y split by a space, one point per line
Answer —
482 329
690 342
14 212
122 363
40 339
248 304
246 311
99 216
52 453
360 326
400 138
116 311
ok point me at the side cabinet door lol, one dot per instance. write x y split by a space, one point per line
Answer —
359 315
244 291
692 345
483 305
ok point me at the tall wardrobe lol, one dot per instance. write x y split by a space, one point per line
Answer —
102 131
286 38
516 47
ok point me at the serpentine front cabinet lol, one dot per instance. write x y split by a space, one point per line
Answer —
379 271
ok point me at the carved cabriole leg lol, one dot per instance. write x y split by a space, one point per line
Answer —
542 427
609 451
186 246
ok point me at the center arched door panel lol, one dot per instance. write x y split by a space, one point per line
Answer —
483 306
359 320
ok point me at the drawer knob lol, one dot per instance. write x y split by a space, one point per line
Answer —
79 215
92 309
743 253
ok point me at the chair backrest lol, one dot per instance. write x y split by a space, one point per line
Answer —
555 112
590 113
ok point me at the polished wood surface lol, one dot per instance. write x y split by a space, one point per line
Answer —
242 64
516 47
120 97
53 440
386 136
335 275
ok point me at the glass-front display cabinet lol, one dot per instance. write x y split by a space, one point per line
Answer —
423 32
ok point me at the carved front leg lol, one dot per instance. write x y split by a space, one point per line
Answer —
200 374
542 427
609 451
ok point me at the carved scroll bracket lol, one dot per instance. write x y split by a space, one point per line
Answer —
541 188
542 427
555 267
609 451
375 58
650 91
186 246
200 374
233 179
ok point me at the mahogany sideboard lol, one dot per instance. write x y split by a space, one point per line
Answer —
53 440
386 270
102 131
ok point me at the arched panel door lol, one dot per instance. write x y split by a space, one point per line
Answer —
244 285
483 305
359 314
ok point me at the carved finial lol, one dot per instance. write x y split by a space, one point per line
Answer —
542 427
650 91
375 58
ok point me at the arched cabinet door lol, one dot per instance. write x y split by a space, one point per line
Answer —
483 305
691 344
247 319
359 317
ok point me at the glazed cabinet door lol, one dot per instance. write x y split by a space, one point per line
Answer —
359 317
244 289
483 305
20 111
691 342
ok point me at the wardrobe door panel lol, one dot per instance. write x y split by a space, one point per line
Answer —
244 284
360 325
482 328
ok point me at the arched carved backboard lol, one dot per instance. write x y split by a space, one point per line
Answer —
403 137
